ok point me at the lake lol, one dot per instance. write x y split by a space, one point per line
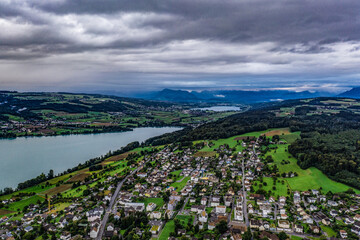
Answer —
27 157
219 108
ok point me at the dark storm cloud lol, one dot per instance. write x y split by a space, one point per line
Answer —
285 21
194 39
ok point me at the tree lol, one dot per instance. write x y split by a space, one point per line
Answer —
282 236
50 174
350 191
247 235
222 227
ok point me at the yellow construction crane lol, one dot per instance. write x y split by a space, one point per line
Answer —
48 199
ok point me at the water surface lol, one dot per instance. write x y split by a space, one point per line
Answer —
27 157
219 108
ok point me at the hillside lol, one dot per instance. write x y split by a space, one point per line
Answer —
329 133
308 147
39 114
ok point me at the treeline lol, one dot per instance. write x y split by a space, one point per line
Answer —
336 154
259 120
12 102
250 121
34 181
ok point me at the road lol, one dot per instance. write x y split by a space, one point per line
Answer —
112 202
181 179
275 211
232 210
244 196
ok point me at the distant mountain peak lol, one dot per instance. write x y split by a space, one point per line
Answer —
352 93
229 96
175 96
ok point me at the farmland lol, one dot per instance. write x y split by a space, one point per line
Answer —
48 114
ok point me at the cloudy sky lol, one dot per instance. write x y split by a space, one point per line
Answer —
92 45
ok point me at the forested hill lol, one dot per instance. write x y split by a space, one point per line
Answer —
50 114
25 105
330 132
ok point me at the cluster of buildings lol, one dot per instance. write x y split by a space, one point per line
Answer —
209 190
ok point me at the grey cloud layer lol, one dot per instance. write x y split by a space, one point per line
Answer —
185 42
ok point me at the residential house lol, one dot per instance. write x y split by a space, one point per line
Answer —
150 207
315 229
203 217
94 232
172 204
220 209
343 234
255 223
155 215
283 224
299 228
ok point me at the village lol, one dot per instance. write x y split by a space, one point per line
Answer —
179 192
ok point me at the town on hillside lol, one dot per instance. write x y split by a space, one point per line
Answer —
191 190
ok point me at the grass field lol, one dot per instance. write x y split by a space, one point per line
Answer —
295 237
36 189
290 138
158 201
330 232
281 189
311 178
180 185
168 228
176 173
77 192
62 178
232 141
21 204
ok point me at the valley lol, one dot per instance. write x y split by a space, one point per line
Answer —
246 175
49 114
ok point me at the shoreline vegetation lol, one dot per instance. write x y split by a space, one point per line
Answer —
87 133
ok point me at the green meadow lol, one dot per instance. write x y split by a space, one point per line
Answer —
168 228
180 185
311 178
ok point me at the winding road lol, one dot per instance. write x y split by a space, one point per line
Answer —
112 202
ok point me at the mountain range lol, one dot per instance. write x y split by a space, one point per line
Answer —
352 93
230 96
